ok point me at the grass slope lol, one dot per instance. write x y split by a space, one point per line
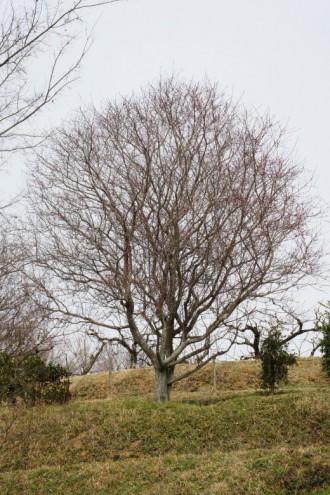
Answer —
221 442
230 376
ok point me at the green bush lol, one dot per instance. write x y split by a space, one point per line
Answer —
9 384
275 361
32 380
325 347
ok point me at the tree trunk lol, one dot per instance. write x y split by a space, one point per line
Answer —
133 356
163 387
256 346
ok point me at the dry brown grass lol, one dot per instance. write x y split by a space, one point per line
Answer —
232 440
256 472
231 376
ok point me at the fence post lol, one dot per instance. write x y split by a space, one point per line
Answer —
110 382
214 373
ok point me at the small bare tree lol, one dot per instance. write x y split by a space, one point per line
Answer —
124 348
24 327
77 353
82 353
254 325
166 212
24 322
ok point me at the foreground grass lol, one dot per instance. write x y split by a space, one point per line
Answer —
271 471
207 442
99 430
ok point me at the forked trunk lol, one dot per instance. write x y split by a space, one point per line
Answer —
163 386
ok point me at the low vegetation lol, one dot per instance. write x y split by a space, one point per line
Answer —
32 381
275 361
325 347
233 439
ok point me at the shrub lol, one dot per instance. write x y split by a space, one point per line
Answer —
32 380
275 361
325 347
9 385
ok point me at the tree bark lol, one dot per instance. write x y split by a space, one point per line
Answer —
163 384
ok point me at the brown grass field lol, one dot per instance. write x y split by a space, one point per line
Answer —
230 376
232 439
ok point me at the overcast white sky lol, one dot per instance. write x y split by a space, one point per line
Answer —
275 54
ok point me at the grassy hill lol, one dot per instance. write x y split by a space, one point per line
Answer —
230 376
232 440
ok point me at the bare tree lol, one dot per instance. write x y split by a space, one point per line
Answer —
255 325
28 30
116 357
24 322
24 327
322 315
122 344
113 358
82 353
166 212
77 353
